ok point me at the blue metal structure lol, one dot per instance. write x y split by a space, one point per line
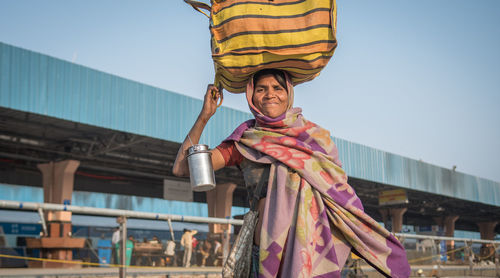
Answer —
374 165
48 86
37 83
104 200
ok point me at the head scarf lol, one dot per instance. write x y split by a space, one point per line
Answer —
312 216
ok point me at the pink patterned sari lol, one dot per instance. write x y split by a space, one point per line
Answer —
313 217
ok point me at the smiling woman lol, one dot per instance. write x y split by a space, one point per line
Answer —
309 217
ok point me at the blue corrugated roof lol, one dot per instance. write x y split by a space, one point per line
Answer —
374 165
37 83
45 85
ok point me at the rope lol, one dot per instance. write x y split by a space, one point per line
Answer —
437 255
492 253
146 267
74 262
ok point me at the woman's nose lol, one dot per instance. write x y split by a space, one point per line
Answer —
270 93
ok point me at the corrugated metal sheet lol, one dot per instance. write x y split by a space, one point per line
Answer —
44 85
374 165
41 84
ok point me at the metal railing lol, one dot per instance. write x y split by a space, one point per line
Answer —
433 243
122 217
115 212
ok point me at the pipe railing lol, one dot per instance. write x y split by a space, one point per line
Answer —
179 218
402 235
115 212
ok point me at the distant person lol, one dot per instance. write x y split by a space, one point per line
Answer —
197 253
170 253
217 253
133 259
195 244
116 236
217 247
187 243
156 257
205 249
115 239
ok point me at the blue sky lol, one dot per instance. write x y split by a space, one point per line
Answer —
416 78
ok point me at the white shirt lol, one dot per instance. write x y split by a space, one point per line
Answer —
187 238
217 246
116 237
170 251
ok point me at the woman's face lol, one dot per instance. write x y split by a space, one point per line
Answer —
270 97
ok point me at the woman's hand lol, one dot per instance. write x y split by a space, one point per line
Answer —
210 102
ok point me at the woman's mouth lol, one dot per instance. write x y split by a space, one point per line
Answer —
270 103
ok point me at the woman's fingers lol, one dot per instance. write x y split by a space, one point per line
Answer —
213 95
213 91
210 101
216 95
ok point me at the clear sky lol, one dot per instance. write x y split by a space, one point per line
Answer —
416 78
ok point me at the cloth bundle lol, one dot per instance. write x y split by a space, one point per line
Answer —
297 36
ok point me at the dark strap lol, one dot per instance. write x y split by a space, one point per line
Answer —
198 6
256 194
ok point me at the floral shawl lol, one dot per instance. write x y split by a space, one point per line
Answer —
312 215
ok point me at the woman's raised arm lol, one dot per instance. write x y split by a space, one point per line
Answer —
181 167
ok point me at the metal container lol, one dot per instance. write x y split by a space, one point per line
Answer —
201 171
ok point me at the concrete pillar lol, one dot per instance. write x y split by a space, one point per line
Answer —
487 231
393 217
449 231
220 201
447 224
58 180
439 221
397 219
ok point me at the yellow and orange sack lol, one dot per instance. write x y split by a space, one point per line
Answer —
246 36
